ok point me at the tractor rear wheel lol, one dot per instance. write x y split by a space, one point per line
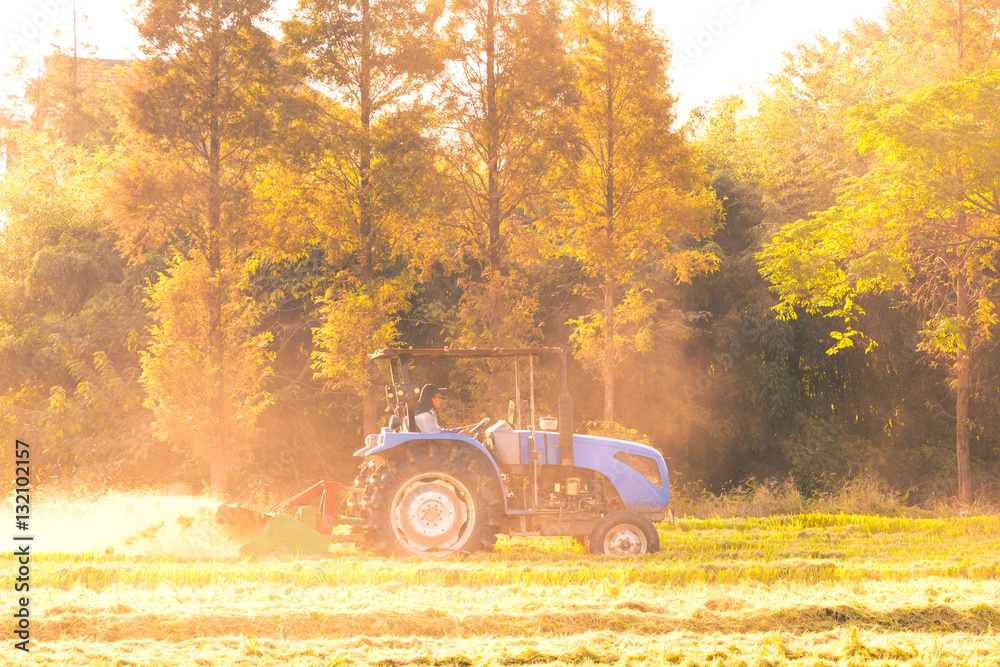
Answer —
624 533
440 502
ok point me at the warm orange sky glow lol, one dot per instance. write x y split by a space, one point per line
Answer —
719 45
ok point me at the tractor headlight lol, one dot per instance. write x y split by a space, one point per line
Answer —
644 464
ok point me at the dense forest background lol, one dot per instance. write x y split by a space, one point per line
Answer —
201 247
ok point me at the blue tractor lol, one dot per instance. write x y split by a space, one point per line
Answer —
422 494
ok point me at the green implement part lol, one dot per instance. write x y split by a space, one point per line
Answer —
284 533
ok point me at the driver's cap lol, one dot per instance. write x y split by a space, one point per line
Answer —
429 391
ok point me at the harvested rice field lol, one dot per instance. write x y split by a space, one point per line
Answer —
812 589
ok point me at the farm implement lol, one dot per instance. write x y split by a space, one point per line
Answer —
436 494
303 524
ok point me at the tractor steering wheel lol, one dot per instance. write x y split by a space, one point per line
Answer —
478 430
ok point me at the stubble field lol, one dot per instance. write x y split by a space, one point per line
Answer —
163 587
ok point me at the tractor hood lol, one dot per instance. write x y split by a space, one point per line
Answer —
637 471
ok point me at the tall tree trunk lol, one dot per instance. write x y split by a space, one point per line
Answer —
218 439
492 141
364 194
960 38
963 376
369 396
75 127
609 349
610 282
492 177
496 248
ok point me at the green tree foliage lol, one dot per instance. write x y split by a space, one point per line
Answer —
179 372
769 399
71 320
796 144
504 100
639 201
739 377
922 221
308 428
364 163
502 172
199 110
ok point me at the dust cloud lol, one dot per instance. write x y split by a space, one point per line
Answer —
131 524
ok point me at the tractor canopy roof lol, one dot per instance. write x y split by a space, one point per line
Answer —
399 353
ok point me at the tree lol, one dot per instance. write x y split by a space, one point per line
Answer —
933 41
185 365
362 168
637 194
880 407
918 221
72 100
72 320
759 385
504 100
199 111
795 142
923 222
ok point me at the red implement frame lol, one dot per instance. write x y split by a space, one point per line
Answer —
327 513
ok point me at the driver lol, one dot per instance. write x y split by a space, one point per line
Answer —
425 414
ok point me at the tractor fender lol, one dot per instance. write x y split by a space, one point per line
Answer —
389 440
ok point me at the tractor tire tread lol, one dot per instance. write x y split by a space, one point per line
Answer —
378 535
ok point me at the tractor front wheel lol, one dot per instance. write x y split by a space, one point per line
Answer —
439 503
624 533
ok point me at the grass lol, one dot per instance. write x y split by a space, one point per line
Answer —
813 589
864 494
